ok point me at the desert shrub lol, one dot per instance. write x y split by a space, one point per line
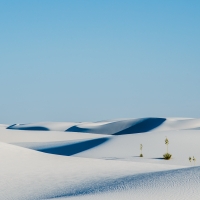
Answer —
167 156
141 146
190 159
194 159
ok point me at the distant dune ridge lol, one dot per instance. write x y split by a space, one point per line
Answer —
100 160
114 127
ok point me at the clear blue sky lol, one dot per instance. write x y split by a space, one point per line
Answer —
86 60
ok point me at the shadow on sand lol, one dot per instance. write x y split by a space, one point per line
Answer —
74 148
143 126
28 128
77 129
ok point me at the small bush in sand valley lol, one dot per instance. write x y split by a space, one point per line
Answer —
141 146
192 159
167 156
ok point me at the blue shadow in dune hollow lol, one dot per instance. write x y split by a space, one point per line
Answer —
71 149
28 128
143 126
77 129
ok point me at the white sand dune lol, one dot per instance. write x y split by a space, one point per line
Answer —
100 160
43 126
116 127
126 147
28 174
17 136
182 184
182 144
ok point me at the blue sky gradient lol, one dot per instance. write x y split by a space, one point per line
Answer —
93 60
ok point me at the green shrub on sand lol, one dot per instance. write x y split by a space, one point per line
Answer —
167 155
141 146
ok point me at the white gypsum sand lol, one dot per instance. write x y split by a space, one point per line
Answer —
100 160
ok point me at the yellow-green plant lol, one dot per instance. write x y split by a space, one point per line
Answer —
167 143
141 146
194 159
190 159
167 156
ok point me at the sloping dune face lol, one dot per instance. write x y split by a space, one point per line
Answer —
120 127
43 126
131 126
179 184
101 160
114 127
28 174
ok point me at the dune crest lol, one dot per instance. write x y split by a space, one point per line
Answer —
114 127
